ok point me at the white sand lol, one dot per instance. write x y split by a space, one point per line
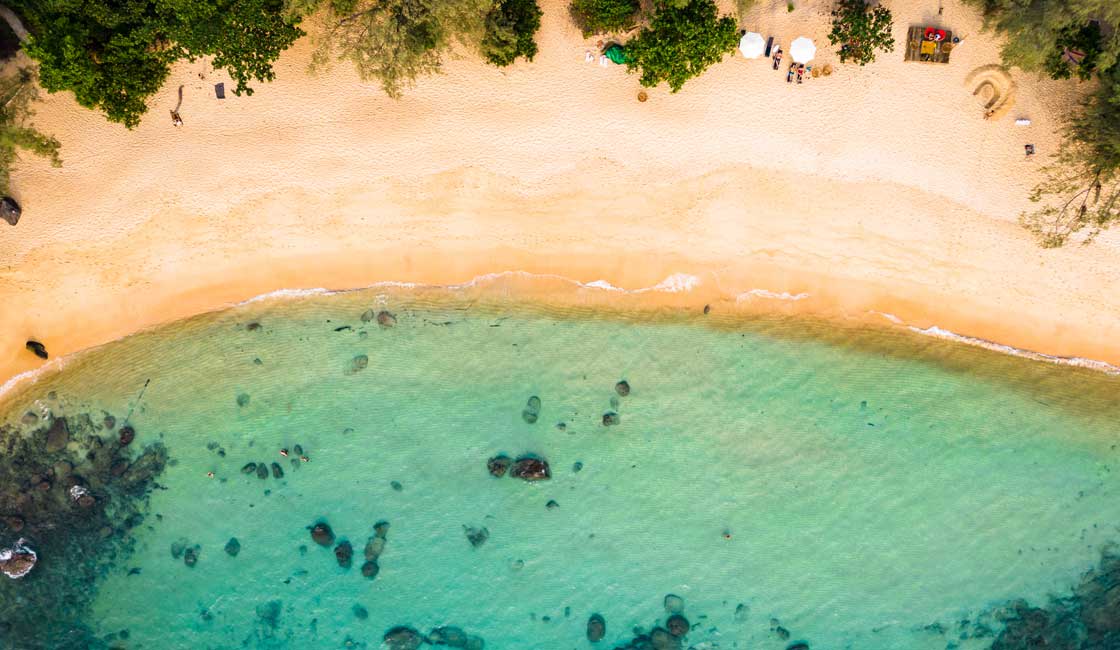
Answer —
876 189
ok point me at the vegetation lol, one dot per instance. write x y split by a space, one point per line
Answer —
395 41
605 16
681 42
860 30
510 28
1081 193
114 55
16 93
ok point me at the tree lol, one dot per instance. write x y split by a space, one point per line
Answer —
604 16
510 29
114 55
680 43
16 93
860 30
395 41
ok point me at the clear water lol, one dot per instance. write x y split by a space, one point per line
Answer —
872 484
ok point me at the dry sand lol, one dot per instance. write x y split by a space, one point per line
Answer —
877 189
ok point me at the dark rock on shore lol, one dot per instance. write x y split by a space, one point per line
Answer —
476 536
233 547
38 348
403 638
498 465
596 628
622 388
677 625
322 534
344 553
10 210
531 468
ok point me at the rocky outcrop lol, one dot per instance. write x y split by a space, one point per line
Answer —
17 561
498 465
596 628
531 468
10 210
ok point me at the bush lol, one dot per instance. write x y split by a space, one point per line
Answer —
680 43
510 28
860 31
17 91
603 16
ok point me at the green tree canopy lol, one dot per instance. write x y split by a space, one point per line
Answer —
604 16
860 30
16 93
113 55
681 42
395 41
510 30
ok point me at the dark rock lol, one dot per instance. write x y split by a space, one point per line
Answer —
596 628
358 363
381 529
374 548
233 547
498 465
322 534
577 467
801 645
475 643
119 467
17 561
532 410
403 638
370 569
269 613
29 419
367 315
677 625
190 556
14 523
622 388
253 327
58 436
243 399
396 485
127 435
249 468
361 613
386 319
741 612
448 635
177 548
344 553
531 468
10 210
262 470
660 639
476 536
277 471
610 419
552 505
674 604
298 450
38 348
110 422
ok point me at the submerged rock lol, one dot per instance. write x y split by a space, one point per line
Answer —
37 348
361 613
374 547
552 505
448 635
677 625
262 470
610 419
532 410
386 319
17 561
801 645
674 604
396 485
367 315
269 613
126 436
190 555
177 548
233 547
531 468
322 534
357 364
498 465
249 468
58 436
622 388
243 399
370 569
403 638
476 536
660 639
277 471
596 628
344 553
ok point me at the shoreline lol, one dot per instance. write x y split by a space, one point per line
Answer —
554 169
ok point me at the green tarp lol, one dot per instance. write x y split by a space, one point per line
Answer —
617 54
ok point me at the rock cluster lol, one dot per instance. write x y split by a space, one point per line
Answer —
17 561
404 637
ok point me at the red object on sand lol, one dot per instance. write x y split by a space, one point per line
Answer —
934 34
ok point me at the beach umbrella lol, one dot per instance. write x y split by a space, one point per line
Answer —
802 50
751 45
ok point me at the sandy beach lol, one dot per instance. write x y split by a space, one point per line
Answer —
876 190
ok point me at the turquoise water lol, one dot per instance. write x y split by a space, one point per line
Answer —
864 489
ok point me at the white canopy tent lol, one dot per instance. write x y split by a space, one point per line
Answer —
752 45
802 50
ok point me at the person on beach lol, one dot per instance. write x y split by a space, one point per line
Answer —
175 119
800 72
789 76
777 58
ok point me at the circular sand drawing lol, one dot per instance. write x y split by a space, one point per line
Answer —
993 88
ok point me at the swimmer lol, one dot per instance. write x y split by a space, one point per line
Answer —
305 459
210 474
727 534
284 453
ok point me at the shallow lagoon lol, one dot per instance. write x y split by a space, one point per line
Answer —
853 489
